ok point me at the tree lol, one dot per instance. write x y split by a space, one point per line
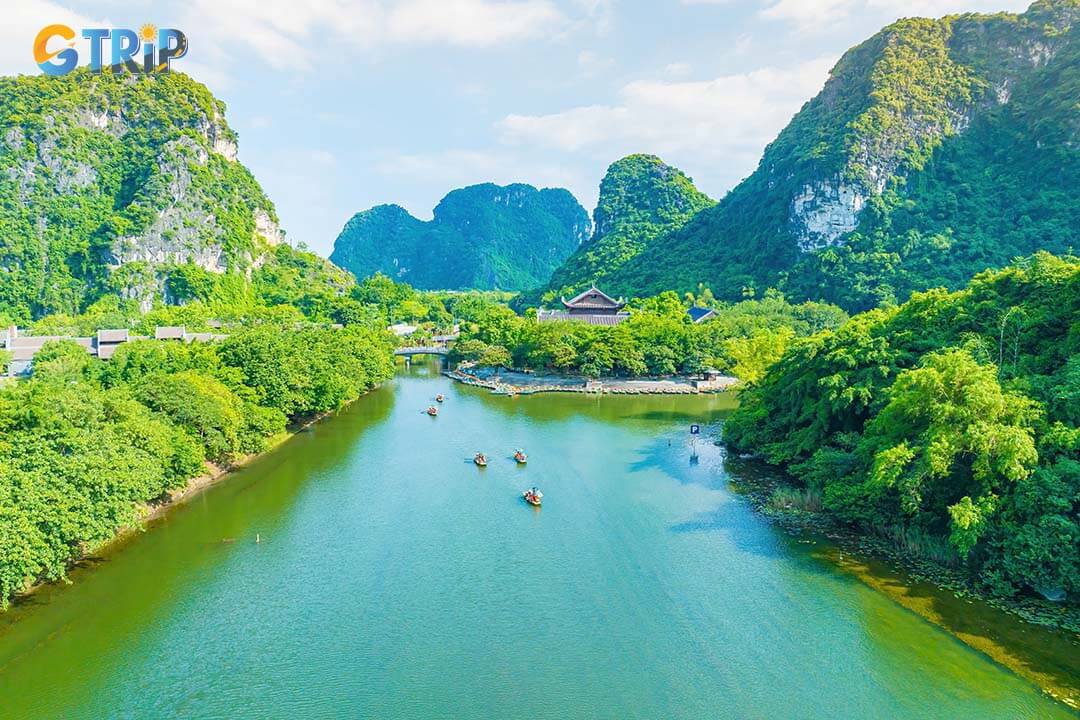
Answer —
749 357
949 431
202 406
61 360
895 419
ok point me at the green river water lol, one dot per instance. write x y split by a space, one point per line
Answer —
394 579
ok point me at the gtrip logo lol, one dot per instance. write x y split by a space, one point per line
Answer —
150 50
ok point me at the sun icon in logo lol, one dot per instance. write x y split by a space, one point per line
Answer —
148 32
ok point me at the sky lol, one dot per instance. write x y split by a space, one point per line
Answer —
340 105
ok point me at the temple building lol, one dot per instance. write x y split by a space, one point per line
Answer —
592 306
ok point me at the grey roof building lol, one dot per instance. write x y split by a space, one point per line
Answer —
169 332
113 336
24 348
593 306
104 344
109 340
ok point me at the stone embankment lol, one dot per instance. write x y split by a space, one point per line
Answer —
518 383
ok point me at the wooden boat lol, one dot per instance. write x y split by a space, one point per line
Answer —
439 398
521 457
480 459
433 411
533 496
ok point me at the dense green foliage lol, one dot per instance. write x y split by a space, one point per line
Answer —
658 338
955 415
84 443
960 137
291 285
106 182
482 236
641 199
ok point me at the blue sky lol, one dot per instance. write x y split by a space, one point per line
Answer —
344 105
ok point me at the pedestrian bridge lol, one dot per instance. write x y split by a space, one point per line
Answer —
422 350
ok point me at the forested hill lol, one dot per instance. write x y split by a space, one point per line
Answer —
123 185
936 149
482 236
641 199
952 421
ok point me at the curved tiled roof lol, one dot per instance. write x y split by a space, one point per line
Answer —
593 299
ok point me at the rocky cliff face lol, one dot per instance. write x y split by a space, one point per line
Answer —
483 236
927 83
825 210
884 180
101 176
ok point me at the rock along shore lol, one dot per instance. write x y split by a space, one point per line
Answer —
519 383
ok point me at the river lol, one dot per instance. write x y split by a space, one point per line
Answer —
394 579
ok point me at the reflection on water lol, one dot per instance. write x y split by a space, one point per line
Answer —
395 579
1048 658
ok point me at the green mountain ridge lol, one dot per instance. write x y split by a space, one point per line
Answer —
125 185
936 149
481 237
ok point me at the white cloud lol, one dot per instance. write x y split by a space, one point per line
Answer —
471 23
714 129
677 69
323 158
808 12
719 117
598 13
282 33
20 26
289 34
592 64
292 35
820 14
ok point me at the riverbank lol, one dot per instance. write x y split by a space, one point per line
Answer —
1037 639
513 382
640 547
214 475
155 510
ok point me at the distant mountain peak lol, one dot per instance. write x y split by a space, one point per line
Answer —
483 236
